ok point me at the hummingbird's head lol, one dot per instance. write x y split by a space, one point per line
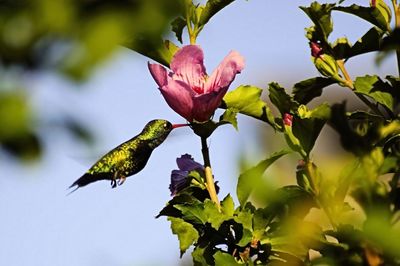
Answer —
156 131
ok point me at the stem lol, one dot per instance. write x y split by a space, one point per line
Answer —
349 83
208 172
346 75
396 10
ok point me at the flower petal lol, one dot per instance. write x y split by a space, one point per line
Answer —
205 105
159 74
187 65
178 181
225 73
186 163
178 96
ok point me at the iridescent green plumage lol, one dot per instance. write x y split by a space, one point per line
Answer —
128 158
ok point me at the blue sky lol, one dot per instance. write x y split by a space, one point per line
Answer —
98 225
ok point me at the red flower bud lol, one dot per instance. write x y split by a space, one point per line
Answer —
316 49
287 119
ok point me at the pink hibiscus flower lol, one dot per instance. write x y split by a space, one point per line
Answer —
188 90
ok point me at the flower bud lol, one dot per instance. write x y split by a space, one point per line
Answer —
287 119
325 63
316 49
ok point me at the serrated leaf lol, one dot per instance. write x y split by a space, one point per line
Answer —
281 99
186 233
308 127
223 259
214 216
211 8
306 90
228 206
244 217
251 177
177 26
375 88
321 16
193 213
246 100
369 14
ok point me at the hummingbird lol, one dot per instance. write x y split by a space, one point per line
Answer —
128 158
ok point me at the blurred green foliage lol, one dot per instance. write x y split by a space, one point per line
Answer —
71 37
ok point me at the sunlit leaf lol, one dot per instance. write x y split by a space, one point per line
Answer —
375 88
369 14
246 100
223 259
186 233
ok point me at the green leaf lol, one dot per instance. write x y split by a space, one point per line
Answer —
214 216
211 8
321 16
177 26
223 259
228 206
308 125
281 99
370 42
246 100
193 213
229 116
306 90
372 15
199 258
244 217
341 48
186 233
375 88
251 177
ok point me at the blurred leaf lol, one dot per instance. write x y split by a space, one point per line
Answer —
26 146
281 99
251 177
306 90
223 259
186 233
375 88
378 230
14 114
358 138
246 100
370 14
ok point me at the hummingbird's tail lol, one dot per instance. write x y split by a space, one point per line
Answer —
87 179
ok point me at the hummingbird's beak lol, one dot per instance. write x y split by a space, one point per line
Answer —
179 125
